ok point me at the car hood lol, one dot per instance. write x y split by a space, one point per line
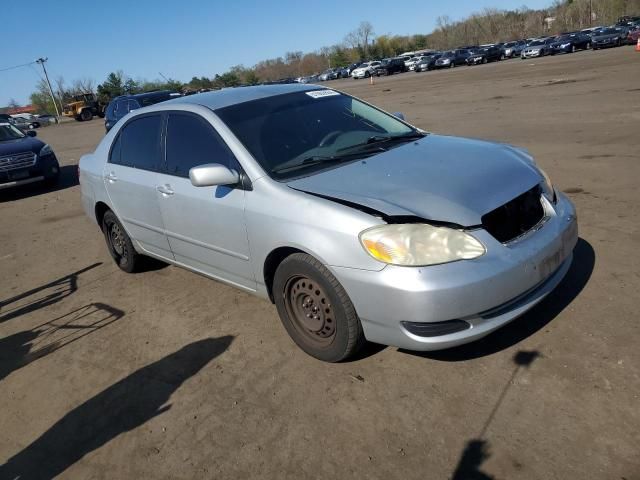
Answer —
20 145
439 178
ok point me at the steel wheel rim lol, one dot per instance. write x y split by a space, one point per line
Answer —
310 310
116 238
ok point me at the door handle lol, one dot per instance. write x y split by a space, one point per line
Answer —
111 177
165 189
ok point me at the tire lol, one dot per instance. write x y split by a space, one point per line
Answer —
573 49
86 115
302 284
119 244
452 65
52 181
484 60
367 74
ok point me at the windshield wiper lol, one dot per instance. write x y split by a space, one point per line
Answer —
378 139
317 159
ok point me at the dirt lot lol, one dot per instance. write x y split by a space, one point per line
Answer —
166 374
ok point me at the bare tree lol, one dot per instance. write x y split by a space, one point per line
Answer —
360 38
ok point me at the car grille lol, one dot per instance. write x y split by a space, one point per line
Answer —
17 160
515 217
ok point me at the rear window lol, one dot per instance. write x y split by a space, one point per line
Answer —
138 144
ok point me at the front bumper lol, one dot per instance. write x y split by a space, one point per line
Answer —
486 293
474 60
44 168
359 74
531 54
610 43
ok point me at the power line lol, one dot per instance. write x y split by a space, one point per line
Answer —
17 66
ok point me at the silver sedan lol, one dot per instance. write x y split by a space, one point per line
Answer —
357 225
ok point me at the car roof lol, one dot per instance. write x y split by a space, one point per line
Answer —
232 96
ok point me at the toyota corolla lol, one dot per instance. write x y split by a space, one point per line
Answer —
357 225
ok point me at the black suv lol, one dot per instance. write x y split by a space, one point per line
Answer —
390 66
120 106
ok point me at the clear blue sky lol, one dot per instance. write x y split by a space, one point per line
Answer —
192 37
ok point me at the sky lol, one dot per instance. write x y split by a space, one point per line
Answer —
187 38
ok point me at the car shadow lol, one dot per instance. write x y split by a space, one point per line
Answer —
68 178
42 296
22 348
120 408
574 281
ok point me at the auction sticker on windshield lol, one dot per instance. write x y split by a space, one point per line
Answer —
322 93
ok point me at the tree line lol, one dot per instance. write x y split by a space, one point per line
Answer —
490 25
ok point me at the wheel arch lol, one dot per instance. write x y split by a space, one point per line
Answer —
271 263
100 209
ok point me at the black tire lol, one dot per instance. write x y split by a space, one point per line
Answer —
367 74
573 49
86 115
119 244
332 332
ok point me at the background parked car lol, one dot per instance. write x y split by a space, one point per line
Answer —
24 159
329 74
513 49
120 106
570 42
389 66
410 64
428 62
484 54
452 58
537 48
365 70
25 124
632 36
609 37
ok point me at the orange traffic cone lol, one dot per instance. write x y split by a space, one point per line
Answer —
638 45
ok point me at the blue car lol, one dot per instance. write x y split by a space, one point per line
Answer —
120 106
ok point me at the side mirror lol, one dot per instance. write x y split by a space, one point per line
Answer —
31 133
399 115
212 174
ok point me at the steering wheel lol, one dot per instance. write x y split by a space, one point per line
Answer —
329 136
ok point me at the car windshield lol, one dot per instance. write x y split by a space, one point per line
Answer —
9 132
608 31
296 133
566 38
535 43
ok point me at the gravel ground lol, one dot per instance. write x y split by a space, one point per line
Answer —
166 374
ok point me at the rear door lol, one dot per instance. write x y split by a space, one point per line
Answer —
131 178
205 225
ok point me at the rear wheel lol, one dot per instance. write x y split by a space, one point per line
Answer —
315 309
86 115
119 244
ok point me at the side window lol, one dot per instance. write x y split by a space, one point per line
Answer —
122 108
191 141
133 105
140 143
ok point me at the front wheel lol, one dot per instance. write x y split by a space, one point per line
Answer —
315 309
119 244
86 115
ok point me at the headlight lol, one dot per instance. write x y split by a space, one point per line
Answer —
564 45
547 187
46 150
415 245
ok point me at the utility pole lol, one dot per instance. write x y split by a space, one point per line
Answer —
41 61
